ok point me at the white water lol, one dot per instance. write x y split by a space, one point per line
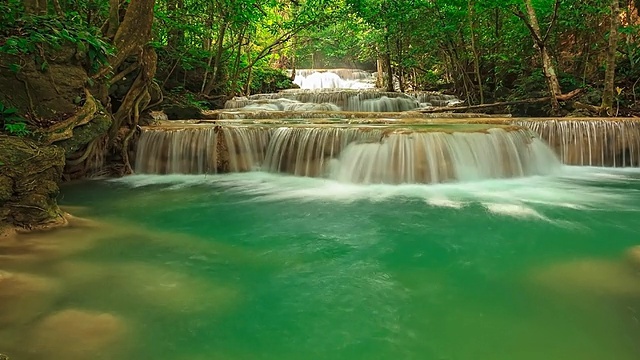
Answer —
178 151
336 100
434 157
334 79
333 90
591 142
577 188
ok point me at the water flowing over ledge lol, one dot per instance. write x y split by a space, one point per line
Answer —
362 154
591 142
341 99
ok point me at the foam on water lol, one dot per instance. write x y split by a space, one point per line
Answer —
513 210
574 188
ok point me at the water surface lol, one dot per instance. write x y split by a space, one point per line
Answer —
262 266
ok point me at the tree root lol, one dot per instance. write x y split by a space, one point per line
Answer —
142 103
64 129
86 153
26 89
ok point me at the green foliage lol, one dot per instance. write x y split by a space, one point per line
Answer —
267 80
34 35
11 122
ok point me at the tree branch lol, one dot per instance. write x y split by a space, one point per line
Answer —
553 21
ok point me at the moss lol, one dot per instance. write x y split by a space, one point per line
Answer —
82 135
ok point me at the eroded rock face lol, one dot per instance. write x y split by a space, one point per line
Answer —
76 334
29 177
48 94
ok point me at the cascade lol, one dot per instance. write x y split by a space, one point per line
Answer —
346 100
190 150
597 142
436 157
333 79
352 133
362 154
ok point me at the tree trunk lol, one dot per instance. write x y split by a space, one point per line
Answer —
175 35
476 57
211 84
387 63
380 72
114 18
132 35
547 64
609 76
35 7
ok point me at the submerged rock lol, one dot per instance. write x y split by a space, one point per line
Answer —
590 276
47 245
170 290
24 296
76 334
633 257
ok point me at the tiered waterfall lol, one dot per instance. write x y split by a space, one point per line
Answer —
337 126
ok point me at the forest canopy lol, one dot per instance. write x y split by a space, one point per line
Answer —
484 50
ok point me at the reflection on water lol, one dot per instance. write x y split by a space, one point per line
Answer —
259 266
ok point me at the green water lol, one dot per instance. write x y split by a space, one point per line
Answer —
257 266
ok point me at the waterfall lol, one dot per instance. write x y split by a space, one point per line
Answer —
244 148
334 79
280 104
308 151
436 157
346 100
433 98
177 151
374 154
346 74
382 104
598 142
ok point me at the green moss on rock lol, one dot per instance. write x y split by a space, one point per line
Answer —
83 135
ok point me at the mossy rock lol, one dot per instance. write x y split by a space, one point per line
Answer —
44 95
29 181
83 135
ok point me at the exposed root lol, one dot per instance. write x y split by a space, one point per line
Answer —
89 162
88 151
64 129
131 68
142 102
26 89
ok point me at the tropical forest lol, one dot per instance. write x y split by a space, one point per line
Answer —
319 179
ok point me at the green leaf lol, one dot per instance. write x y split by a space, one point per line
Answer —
15 68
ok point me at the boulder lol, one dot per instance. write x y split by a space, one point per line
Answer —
29 179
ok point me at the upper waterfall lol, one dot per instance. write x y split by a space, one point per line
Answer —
340 100
333 79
